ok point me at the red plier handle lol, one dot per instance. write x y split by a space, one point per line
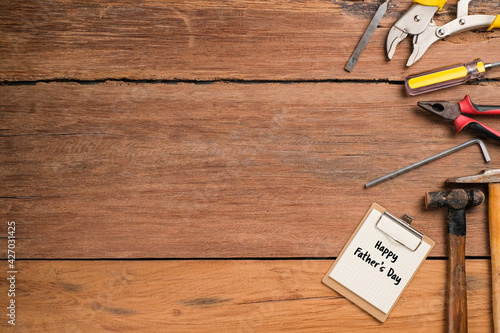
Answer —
467 107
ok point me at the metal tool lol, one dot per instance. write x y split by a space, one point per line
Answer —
454 112
366 36
418 22
492 178
445 77
430 159
456 201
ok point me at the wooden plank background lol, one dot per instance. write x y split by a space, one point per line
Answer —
230 295
207 40
221 170
214 155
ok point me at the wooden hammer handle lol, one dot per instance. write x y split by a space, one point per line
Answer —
494 218
457 287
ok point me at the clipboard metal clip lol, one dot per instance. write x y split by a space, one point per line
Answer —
403 233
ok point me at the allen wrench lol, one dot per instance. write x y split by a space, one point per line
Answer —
430 159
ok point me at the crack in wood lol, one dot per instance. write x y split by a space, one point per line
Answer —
200 82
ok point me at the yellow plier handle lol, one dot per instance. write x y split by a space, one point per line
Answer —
495 23
440 4
432 3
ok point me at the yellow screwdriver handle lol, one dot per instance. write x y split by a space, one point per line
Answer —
444 77
432 3
437 77
495 23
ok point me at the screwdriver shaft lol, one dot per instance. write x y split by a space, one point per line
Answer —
492 65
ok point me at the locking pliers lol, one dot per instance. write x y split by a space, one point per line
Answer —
418 21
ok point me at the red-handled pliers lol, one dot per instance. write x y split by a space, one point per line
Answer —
455 112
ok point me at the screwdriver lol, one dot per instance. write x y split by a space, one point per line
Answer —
445 77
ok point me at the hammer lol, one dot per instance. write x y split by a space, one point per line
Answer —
492 177
456 201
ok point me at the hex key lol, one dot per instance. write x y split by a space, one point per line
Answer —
430 159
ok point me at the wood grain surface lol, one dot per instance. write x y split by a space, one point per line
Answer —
211 40
198 165
225 296
222 170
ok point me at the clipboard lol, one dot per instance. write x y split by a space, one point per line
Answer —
378 262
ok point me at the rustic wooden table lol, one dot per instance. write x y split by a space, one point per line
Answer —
196 166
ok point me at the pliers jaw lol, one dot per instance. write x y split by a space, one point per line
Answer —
422 42
447 110
413 22
455 112
395 37
418 22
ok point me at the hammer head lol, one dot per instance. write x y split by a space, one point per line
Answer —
485 176
457 199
